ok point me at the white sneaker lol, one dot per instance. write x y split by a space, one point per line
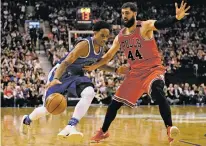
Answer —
24 129
71 134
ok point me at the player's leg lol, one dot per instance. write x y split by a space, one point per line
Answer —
37 112
86 91
35 115
157 93
110 116
124 95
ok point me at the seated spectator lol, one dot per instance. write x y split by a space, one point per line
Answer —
9 96
174 94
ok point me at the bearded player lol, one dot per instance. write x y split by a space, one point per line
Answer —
146 74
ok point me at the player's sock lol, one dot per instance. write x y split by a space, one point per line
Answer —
73 122
38 113
159 95
111 114
83 105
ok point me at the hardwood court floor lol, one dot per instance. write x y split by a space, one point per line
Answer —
141 126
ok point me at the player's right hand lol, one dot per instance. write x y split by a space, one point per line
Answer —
123 70
52 83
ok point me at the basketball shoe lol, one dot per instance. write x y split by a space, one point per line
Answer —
172 132
100 135
25 125
70 133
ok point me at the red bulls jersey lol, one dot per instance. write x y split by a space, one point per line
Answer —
141 54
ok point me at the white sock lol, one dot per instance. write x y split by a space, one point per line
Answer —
38 113
83 105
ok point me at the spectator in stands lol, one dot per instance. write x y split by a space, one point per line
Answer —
200 98
173 94
9 96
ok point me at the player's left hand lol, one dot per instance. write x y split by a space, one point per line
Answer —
90 68
181 12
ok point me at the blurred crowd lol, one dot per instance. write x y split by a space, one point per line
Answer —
183 48
22 78
12 15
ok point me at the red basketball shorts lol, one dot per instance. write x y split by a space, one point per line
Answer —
135 84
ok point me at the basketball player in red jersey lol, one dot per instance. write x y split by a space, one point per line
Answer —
146 74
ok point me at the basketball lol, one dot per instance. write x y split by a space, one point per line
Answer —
56 103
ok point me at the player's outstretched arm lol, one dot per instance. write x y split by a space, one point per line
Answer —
107 57
167 22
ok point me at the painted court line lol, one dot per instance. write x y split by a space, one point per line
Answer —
187 142
157 118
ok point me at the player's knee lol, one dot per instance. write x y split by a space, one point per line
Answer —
88 93
157 86
157 90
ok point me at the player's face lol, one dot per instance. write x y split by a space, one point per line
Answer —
101 37
128 17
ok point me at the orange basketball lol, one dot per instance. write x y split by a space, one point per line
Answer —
56 103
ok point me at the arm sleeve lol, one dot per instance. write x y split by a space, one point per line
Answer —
167 22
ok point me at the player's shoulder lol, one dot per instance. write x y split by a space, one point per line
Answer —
147 22
82 43
81 49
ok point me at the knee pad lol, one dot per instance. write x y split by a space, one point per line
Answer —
88 94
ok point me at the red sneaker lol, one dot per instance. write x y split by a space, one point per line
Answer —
100 135
172 133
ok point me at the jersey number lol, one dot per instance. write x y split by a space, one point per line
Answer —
134 56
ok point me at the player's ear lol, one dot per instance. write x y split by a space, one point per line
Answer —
135 14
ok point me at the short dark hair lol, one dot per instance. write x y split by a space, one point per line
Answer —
101 25
130 5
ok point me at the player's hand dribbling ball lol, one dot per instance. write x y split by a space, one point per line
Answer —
56 103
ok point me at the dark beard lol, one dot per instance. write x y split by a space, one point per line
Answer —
129 23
